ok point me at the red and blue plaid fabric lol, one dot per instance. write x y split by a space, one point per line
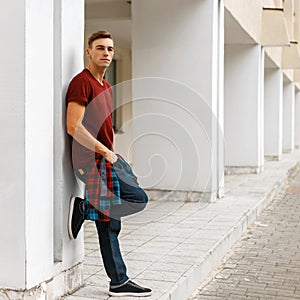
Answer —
102 190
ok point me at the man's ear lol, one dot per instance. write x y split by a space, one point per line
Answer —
88 51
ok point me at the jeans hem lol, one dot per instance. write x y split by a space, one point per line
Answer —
119 285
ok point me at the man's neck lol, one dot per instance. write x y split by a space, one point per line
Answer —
98 73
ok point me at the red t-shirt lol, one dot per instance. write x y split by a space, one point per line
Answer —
97 98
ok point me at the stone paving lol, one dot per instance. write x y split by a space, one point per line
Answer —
172 246
265 263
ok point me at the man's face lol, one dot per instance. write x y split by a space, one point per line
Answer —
101 52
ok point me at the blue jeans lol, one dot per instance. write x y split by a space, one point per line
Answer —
134 199
110 250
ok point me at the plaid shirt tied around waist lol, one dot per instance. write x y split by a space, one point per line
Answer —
102 190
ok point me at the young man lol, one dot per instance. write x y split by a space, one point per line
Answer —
111 187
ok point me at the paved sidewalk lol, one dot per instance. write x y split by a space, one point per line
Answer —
172 246
265 263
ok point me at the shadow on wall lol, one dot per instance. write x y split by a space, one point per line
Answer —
64 179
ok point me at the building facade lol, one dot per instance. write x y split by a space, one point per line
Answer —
203 89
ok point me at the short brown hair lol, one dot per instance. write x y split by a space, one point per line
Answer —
101 34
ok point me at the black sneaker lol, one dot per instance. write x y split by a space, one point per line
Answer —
130 289
75 217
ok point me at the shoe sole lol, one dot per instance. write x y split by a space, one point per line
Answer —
129 294
70 218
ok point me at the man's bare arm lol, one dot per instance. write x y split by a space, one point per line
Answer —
75 114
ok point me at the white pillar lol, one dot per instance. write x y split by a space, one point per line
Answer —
297 119
29 79
288 116
12 122
273 113
175 106
244 146
69 55
220 113
38 141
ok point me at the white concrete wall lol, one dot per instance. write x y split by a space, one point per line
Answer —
34 85
288 116
69 56
273 112
12 122
39 141
174 129
124 73
297 119
220 89
244 106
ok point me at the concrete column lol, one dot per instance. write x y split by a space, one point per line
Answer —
220 116
297 119
244 146
288 116
176 92
273 113
29 267
38 141
12 120
68 61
